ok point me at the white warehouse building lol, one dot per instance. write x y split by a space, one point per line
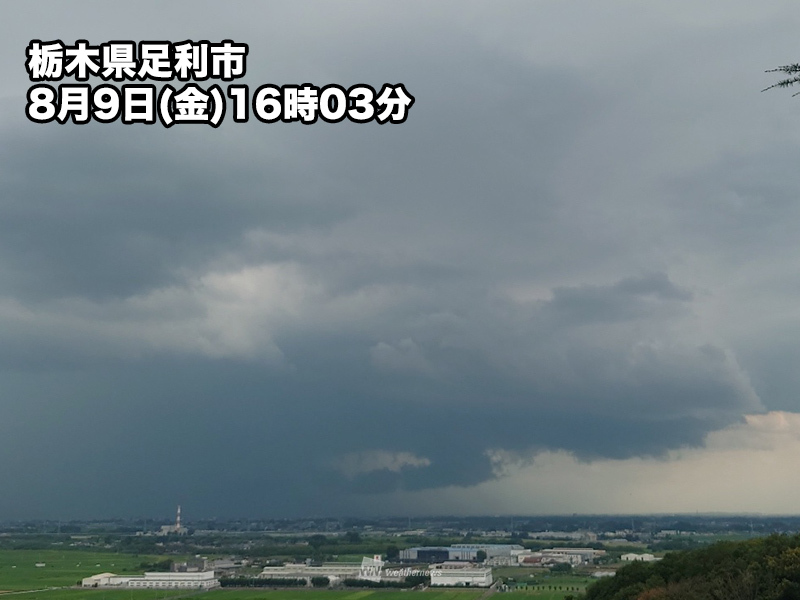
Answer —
460 575
470 551
576 556
632 557
333 571
369 569
201 580
467 552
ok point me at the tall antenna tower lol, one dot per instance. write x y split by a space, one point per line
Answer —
178 519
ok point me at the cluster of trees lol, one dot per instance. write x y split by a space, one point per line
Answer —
761 569
676 543
791 70
161 565
321 548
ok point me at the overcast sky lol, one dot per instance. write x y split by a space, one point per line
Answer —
569 282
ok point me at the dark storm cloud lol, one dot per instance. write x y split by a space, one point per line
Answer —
112 211
304 313
631 297
198 428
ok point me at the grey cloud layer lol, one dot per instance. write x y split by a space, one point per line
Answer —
535 260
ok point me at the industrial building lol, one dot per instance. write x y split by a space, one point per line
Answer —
101 580
460 574
176 529
201 580
501 561
572 556
638 557
577 536
577 555
333 571
468 552
369 569
425 554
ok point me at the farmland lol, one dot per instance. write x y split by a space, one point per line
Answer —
93 594
243 594
18 570
21 579
539 593
311 594
543 586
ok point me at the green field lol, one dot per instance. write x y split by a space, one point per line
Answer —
62 567
240 594
323 594
537 594
543 586
94 594
21 579
517 573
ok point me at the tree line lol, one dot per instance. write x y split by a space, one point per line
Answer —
761 569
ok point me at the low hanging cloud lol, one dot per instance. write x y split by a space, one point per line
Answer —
600 371
747 467
368 461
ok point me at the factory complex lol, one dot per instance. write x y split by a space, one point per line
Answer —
457 565
500 555
369 569
204 580
458 574
449 573
459 552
